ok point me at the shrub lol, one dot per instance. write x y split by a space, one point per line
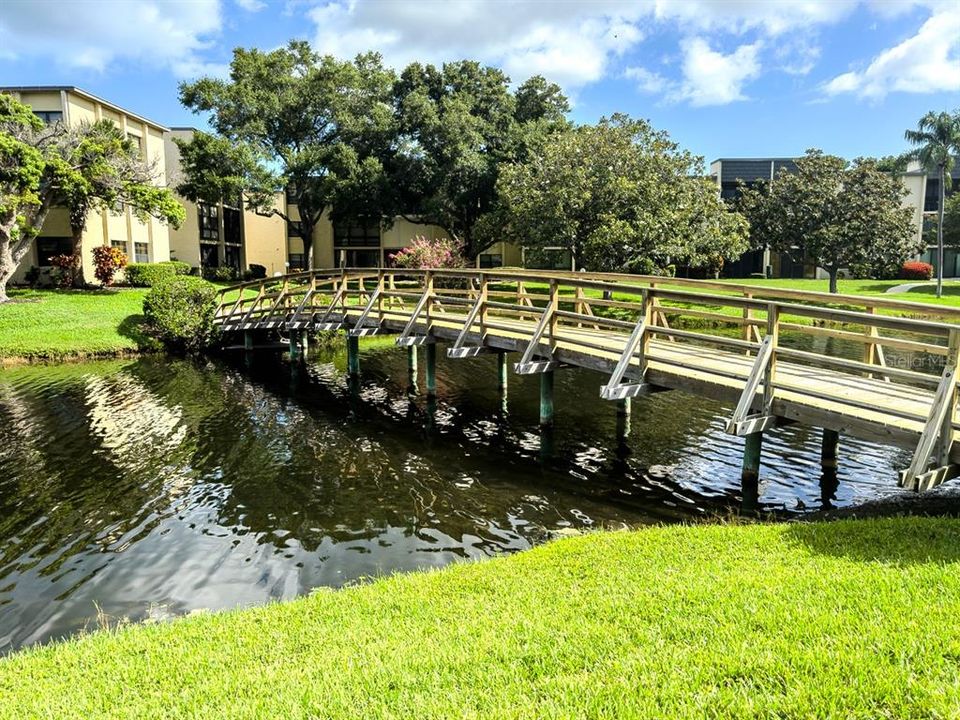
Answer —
179 313
916 270
67 270
106 262
179 266
32 276
148 274
257 272
425 253
222 273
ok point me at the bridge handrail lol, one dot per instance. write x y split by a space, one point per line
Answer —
623 282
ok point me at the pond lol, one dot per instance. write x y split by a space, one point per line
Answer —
150 488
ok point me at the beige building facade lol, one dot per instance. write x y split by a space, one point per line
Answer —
141 241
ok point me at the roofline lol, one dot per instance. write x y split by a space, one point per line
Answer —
85 94
757 159
183 128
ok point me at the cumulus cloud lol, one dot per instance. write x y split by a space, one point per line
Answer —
929 61
570 43
91 34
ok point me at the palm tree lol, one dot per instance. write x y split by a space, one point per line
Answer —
937 138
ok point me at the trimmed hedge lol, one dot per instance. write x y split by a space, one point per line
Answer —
916 270
179 313
179 267
149 274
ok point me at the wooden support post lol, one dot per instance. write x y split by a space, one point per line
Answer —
828 450
353 356
294 345
750 475
431 369
502 366
546 398
413 371
623 419
247 340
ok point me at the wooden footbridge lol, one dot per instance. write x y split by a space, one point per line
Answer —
870 367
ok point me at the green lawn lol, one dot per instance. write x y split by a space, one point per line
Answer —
59 324
925 293
853 619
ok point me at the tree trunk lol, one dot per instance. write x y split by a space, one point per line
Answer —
76 243
943 192
7 268
834 272
306 237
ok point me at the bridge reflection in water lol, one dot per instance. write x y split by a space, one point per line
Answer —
729 342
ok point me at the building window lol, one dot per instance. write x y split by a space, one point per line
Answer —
491 260
209 222
231 226
295 261
48 247
231 256
293 228
137 140
358 258
209 255
49 116
362 234
141 252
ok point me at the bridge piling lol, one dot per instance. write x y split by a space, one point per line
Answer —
750 474
502 374
829 449
546 398
431 369
353 356
296 345
623 420
413 371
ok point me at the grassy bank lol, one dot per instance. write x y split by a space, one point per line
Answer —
853 619
61 324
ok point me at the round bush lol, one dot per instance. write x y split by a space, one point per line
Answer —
148 274
179 267
179 313
916 270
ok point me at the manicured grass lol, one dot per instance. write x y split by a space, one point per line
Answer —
854 619
59 324
925 293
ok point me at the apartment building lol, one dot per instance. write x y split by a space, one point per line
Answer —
223 234
728 173
141 241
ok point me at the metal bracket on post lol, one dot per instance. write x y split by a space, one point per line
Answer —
324 323
938 430
358 329
407 338
460 349
527 365
742 422
616 389
295 323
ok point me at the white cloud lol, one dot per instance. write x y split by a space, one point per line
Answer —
927 62
570 43
251 5
91 34
773 17
709 76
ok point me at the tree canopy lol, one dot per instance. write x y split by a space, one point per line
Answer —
458 125
621 197
838 214
88 167
290 120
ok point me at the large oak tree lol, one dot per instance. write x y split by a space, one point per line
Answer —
621 197
290 120
835 213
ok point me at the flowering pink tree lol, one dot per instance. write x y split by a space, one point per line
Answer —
424 253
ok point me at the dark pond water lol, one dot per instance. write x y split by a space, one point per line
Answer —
151 488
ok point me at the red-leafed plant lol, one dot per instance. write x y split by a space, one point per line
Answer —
916 270
67 270
107 261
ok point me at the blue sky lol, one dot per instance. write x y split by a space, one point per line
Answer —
724 77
